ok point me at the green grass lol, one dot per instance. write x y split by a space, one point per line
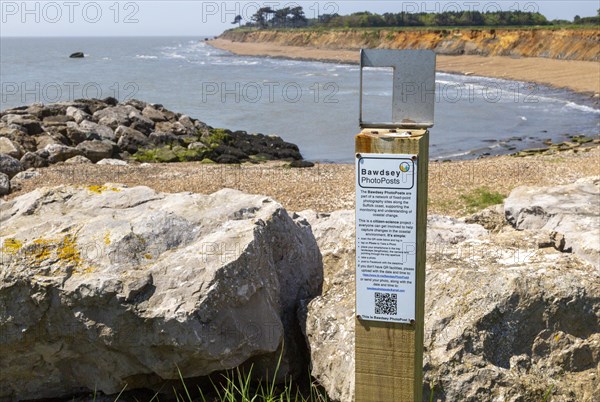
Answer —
547 396
236 385
481 198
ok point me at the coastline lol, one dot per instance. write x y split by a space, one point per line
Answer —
582 77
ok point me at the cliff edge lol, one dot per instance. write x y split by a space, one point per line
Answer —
564 44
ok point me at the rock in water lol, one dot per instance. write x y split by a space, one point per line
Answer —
77 55
103 286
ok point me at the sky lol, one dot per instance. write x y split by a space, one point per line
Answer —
206 18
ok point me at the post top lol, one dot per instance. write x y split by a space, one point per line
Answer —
413 86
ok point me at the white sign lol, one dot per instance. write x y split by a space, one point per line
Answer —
386 217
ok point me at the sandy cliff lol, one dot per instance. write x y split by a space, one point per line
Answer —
566 44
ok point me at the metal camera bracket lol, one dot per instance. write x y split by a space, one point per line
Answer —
413 86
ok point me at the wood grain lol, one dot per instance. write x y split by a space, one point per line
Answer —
389 356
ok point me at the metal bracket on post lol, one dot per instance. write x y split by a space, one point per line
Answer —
413 86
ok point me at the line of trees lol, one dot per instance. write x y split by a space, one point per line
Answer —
287 17
587 20
448 18
293 17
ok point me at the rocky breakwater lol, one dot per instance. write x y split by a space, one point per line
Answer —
100 131
102 287
512 307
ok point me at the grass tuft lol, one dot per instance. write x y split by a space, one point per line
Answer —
480 198
237 385
547 395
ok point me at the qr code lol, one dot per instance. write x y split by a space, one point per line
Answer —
386 303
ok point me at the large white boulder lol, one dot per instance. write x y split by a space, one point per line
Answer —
104 286
507 317
571 213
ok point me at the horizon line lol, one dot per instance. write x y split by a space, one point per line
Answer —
109 36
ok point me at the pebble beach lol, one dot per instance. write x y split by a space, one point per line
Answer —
330 187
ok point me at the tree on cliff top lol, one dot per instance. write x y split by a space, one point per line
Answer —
237 20
261 18
298 19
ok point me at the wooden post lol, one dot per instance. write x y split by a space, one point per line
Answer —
389 355
391 223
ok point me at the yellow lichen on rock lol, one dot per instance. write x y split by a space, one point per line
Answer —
41 249
67 250
101 189
86 270
11 246
107 238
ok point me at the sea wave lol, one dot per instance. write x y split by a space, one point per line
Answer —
145 57
174 55
583 108
453 155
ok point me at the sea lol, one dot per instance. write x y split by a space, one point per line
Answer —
309 103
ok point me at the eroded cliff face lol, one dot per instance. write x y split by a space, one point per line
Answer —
568 44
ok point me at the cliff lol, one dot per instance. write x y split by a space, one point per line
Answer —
566 44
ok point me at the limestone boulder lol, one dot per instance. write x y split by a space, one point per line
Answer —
444 230
570 213
329 319
16 183
495 310
60 153
59 120
18 137
77 114
30 123
153 114
4 184
42 141
159 138
114 116
33 160
103 132
131 140
10 166
98 150
103 286
75 135
506 317
112 162
78 160
10 148
140 122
